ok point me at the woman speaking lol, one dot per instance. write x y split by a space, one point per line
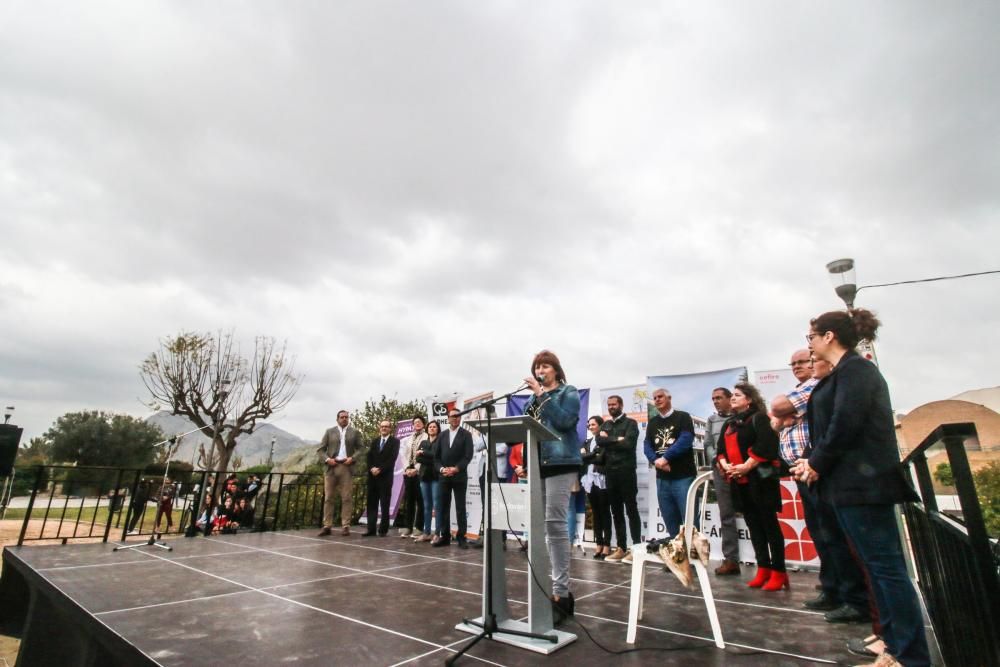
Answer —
556 405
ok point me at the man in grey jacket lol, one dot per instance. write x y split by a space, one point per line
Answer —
337 451
723 492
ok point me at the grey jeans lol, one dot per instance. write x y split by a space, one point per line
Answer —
556 494
727 516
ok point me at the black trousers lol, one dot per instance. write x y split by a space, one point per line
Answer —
623 491
448 487
379 492
765 531
413 505
137 512
601 513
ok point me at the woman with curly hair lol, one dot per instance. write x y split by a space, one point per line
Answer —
748 457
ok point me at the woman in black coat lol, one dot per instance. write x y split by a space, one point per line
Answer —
854 463
748 457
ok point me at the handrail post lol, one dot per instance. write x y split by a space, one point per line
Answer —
925 482
277 503
267 500
111 508
972 517
39 471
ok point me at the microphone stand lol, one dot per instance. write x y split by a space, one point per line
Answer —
489 624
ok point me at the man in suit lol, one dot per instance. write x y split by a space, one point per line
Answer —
381 462
337 449
452 455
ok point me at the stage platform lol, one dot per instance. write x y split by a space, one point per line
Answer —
290 598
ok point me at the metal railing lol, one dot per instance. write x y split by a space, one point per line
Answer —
957 568
97 503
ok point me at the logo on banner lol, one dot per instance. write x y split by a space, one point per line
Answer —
440 408
798 542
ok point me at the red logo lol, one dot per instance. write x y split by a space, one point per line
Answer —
798 542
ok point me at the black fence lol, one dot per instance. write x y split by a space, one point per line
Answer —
956 562
77 503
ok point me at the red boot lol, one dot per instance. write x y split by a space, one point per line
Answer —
776 581
763 574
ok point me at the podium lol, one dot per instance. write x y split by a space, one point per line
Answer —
509 630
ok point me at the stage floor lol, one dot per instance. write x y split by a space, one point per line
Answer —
293 598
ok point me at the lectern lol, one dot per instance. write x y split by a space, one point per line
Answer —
509 630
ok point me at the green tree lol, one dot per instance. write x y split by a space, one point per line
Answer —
95 438
987 481
942 473
38 451
205 378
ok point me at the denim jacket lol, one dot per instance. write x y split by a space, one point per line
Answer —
560 412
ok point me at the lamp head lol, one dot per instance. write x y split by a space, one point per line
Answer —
843 278
8 412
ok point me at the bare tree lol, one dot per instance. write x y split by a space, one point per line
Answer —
205 378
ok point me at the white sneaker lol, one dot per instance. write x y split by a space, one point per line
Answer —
133 532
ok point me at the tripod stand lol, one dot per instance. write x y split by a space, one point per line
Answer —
153 541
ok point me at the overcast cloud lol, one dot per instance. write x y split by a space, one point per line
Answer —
419 196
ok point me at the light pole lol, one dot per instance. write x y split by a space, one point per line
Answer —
8 412
270 456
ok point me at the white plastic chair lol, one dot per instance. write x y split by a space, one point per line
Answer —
640 557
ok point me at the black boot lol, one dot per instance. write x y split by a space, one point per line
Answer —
562 608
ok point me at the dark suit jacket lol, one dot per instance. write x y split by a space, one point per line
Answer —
853 437
329 446
458 453
384 460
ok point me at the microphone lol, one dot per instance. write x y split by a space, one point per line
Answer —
540 379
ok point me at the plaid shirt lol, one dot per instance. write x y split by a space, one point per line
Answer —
793 440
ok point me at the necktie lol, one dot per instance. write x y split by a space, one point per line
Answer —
381 444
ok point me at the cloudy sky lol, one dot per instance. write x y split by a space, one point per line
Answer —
419 196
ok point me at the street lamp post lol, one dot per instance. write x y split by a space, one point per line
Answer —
8 412
843 278
270 456
845 284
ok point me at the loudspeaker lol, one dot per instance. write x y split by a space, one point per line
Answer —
10 440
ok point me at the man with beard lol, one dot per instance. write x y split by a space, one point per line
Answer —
618 437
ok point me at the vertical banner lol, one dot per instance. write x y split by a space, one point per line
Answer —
691 393
404 432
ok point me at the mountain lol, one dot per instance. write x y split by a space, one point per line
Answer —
253 448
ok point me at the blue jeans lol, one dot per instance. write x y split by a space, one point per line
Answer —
873 532
671 495
429 496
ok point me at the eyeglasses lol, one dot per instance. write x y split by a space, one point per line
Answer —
810 336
